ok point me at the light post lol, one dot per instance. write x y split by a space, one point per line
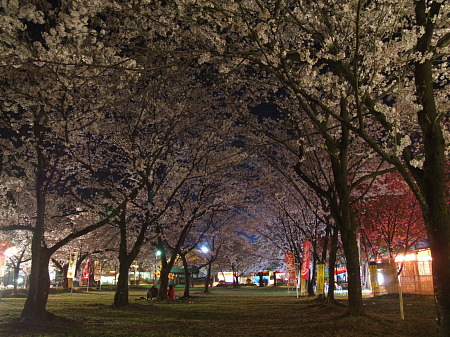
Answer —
155 269
205 250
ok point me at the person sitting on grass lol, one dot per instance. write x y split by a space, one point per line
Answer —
152 292
171 292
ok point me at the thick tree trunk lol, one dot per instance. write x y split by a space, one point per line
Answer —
344 214
164 281
125 258
351 252
34 309
121 294
440 253
433 179
347 228
438 227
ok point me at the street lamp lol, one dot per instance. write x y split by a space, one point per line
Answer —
158 254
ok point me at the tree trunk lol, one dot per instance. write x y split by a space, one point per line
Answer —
16 277
343 213
208 277
187 292
440 254
235 278
391 277
332 265
187 276
350 246
164 281
125 260
121 294
437 220
433 178
34 308
261 279
347 229
65 282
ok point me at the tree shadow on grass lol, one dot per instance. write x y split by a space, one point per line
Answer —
54 325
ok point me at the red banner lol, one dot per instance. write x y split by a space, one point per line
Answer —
306 260
3 248
290 268
87 269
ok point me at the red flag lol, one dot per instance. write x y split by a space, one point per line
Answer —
87 269
306 260
3 248
290 268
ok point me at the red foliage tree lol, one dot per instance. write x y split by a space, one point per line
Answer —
390 218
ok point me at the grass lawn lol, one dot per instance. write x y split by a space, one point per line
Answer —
246 311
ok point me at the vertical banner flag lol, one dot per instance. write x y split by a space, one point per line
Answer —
96 271
320 278
87 269
72 265
306 260
290 268
3 248
373 269
305 267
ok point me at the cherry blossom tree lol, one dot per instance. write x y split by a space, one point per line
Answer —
194 217
367 68
50 101
387 61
